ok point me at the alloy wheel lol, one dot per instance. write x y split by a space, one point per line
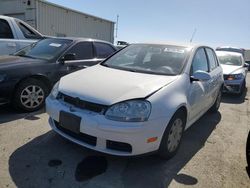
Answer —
32 96
175 134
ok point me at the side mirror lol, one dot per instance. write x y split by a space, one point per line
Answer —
68 57
245 65
200 76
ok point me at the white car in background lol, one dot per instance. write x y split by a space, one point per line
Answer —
139 100
15 35
234 69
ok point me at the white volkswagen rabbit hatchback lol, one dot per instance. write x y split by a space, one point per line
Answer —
139 100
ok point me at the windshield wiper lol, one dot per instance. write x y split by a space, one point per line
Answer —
22 55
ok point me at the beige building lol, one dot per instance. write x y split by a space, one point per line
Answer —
54 20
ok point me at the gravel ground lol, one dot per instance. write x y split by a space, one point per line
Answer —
212 155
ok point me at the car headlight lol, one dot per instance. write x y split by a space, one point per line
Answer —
129 111
54 91
235 76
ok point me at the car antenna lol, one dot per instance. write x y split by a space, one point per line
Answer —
193 34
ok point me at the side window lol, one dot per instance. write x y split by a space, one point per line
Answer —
83 50
103 50
199 61
5 30
212 59
27 32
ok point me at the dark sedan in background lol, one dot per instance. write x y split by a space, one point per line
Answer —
27 76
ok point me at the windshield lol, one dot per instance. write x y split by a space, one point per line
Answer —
46 49
229 59
150 58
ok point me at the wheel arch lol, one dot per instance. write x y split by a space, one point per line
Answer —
39 77
182 109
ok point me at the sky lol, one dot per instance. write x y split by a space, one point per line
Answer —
217 22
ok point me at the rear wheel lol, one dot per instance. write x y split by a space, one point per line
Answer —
30 95
172 136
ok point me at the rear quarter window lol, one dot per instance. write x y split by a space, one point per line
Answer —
103 50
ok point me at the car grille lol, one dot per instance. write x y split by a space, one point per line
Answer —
119 146
225 77
98 108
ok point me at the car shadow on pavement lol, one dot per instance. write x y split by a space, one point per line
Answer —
29 165
7 114
234 98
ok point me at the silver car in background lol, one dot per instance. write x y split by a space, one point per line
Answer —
234 71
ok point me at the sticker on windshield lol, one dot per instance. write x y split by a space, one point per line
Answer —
174 50
55 45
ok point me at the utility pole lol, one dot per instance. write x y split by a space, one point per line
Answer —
117 21
192 37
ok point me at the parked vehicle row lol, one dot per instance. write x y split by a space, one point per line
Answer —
139 100
27 76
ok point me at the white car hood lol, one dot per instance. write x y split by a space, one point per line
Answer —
231 69
103 85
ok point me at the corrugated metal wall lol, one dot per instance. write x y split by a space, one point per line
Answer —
57 21
54 20
19 9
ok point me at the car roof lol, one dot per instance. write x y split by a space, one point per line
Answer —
5 17
186 45
80 39
229 47
228 53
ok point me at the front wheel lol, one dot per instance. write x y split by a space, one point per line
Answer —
172 136
217 102
30 95
243 87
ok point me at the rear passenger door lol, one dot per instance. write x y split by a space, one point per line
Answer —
215 72
103 50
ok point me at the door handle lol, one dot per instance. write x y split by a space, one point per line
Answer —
12 45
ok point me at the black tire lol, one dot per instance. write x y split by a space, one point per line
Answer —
164 151
243 87
216 105
21 90
248 151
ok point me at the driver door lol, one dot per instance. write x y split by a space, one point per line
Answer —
198 92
